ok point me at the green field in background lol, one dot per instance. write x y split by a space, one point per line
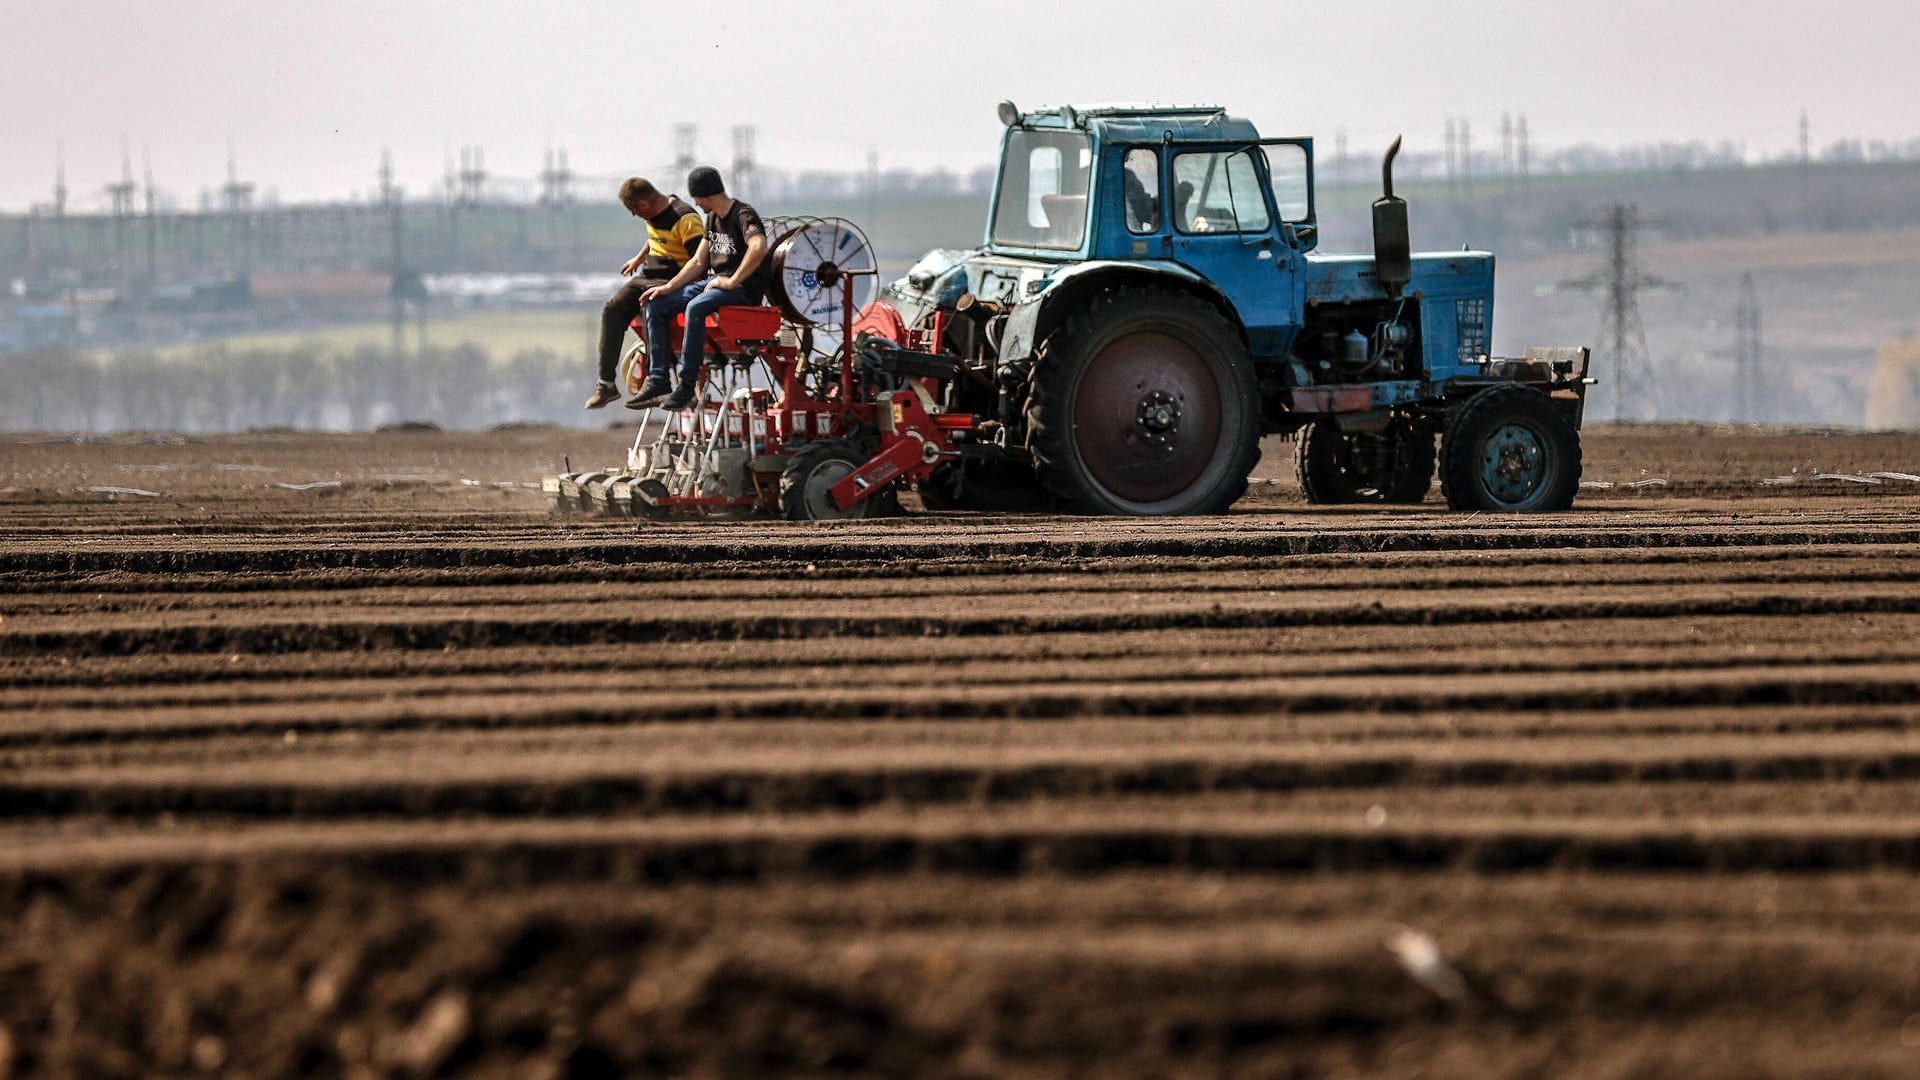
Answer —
499 334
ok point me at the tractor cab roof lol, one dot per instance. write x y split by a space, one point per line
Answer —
1145 122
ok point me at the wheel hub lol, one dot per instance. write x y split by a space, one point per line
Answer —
1158 416
1147 416
1513 462
818 490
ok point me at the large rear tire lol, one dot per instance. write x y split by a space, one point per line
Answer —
1509 450
1335 468
1144 402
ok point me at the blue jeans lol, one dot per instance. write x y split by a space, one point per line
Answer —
698 302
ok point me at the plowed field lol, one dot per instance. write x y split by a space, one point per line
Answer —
341 757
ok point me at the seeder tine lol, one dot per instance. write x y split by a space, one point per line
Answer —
620 496
583 490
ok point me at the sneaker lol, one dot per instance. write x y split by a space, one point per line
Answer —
651 391
604 394
681 398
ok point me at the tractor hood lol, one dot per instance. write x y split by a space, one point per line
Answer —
1339 278
943 276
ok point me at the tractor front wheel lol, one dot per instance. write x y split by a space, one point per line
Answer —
1144 402
1509 450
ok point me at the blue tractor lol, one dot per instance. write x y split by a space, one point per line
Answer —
1149 302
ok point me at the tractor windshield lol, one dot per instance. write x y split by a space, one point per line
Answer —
1043 190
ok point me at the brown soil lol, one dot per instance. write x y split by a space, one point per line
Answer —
406 777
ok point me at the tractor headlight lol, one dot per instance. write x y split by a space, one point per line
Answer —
1009 113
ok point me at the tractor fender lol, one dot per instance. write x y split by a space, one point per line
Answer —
1026 322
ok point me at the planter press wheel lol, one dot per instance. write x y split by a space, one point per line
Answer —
811 475
810 257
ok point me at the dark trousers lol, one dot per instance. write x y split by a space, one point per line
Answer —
617 316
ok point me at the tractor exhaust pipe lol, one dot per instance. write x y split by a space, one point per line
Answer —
1392 242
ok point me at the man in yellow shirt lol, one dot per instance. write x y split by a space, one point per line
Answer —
674 234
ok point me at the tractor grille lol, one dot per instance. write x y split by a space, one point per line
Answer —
1471 318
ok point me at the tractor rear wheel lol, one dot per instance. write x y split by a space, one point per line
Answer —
1393 466
1144 402
1509 450
806 483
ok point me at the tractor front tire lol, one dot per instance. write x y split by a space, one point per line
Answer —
1143 402
1510 450
807 479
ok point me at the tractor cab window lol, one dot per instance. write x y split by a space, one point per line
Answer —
1218 192
1043 190
1141 179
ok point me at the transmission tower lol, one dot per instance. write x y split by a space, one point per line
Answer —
1453 158
1752 396
473 175
123 190
122 193
1506 150
390 199
744 162
684 137
556 180
1520 150
1340 166
1466 157
153 220
1624 345
1806 158
59 183
236 195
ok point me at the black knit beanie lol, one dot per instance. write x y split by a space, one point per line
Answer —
705 180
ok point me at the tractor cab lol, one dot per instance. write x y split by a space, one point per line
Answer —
1185 188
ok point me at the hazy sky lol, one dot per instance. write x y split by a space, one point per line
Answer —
309 91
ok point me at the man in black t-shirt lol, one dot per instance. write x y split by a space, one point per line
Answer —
735 252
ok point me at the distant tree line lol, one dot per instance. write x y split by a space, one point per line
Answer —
221 389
